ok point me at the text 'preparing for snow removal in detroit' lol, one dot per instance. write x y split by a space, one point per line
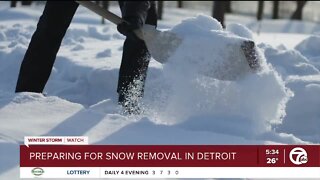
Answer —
145 156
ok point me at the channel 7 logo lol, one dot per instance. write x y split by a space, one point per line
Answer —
298 156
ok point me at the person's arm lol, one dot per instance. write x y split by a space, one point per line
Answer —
135 14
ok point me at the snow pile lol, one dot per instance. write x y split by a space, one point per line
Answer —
71 78
310 49
12 49
32 107
289 62
208 81
240 30
300 69
303 110
213 52
309 46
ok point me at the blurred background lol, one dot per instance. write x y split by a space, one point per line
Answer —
297 10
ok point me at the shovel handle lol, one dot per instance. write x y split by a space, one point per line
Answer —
107 15
102 12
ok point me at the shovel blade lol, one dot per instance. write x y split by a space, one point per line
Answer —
161 44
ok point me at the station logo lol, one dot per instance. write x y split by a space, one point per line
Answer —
298 156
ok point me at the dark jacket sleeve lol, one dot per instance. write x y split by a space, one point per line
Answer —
137 10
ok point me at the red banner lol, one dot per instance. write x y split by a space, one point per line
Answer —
170 156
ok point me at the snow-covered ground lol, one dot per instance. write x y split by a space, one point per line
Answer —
182 103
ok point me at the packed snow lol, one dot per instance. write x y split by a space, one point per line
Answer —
205 94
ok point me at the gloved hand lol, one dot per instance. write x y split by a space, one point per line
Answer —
128 26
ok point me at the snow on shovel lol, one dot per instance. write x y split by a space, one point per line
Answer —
162 44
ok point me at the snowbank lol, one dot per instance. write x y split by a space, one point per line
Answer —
303 110
288 61
310 49
309 46
300 68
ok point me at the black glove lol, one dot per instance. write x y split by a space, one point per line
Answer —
128 26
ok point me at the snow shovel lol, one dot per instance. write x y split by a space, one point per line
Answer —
162 44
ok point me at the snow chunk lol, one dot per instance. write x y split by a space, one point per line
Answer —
197 24
289 62
105 53
93 32
310 46
240 30
78 47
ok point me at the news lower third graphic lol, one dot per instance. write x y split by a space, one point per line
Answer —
73 157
